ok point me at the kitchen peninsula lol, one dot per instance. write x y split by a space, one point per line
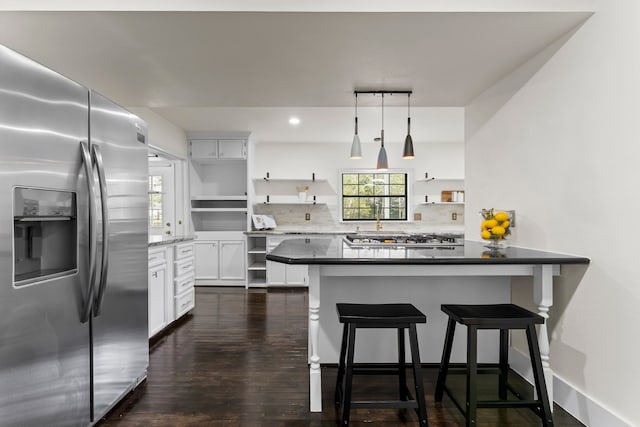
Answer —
425 276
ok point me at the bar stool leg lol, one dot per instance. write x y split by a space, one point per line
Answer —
402 377
417 375
504 364
538 376
444 363
343 349
472 370
346 398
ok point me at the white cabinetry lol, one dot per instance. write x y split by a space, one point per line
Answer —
220 259
256 263
206 254
218 149
171 280
279 274
157 293
218 186
184 298
232 256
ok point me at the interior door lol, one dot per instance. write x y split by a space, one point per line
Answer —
44 350
162 198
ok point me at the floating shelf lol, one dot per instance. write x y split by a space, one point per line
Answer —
220 197
441 203
218 209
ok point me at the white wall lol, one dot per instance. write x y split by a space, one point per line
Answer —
162 133
299 161
563 152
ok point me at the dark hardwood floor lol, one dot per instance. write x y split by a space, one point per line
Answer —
240 359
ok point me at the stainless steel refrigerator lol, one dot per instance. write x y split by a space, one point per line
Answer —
73 249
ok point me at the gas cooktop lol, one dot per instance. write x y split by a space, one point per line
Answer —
421 240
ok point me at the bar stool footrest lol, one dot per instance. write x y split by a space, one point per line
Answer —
385 404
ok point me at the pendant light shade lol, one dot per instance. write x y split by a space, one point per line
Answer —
356 149
383 164
408 141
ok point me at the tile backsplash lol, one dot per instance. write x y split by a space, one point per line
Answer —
433 217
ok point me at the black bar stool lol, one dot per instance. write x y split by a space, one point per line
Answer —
503 317
396 316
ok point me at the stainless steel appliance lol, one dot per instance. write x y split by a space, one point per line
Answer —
73 249
418 240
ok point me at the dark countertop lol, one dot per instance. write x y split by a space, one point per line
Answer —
336 251
167 240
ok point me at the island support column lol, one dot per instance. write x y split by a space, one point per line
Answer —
315 384
543 297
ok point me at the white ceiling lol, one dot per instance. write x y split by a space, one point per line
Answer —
206 70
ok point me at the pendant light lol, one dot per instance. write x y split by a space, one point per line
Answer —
383 164
408 142
356 149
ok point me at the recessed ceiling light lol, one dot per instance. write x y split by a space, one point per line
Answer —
294 121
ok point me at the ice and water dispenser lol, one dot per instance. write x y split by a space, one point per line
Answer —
44 234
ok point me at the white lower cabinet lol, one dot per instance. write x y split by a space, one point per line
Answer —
171 278
232 257
184 296
206 264
279 274
220 259
157 290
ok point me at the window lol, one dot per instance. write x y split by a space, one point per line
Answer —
155 200
369 196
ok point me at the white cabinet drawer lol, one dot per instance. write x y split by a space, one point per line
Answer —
184 266
185 302
157 256
184 250
182 284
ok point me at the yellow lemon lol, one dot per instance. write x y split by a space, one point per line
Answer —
490 223
498 231
486 234
501 216
505 224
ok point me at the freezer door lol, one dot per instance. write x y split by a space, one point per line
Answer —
120 336
44 348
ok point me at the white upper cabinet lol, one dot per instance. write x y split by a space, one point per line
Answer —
230 149
218 149
204 149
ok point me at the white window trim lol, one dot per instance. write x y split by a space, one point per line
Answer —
409 173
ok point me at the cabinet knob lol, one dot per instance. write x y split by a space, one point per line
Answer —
155 274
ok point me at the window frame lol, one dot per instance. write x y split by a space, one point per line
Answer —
408 196
151 210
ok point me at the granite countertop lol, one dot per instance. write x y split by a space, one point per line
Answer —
335 250
167 240
342 231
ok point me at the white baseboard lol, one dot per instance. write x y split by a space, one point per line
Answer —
581 406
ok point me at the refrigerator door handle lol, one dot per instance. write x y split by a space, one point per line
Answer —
88 168
97 157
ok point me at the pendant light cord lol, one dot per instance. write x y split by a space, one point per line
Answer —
409 114
356 113
382 131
